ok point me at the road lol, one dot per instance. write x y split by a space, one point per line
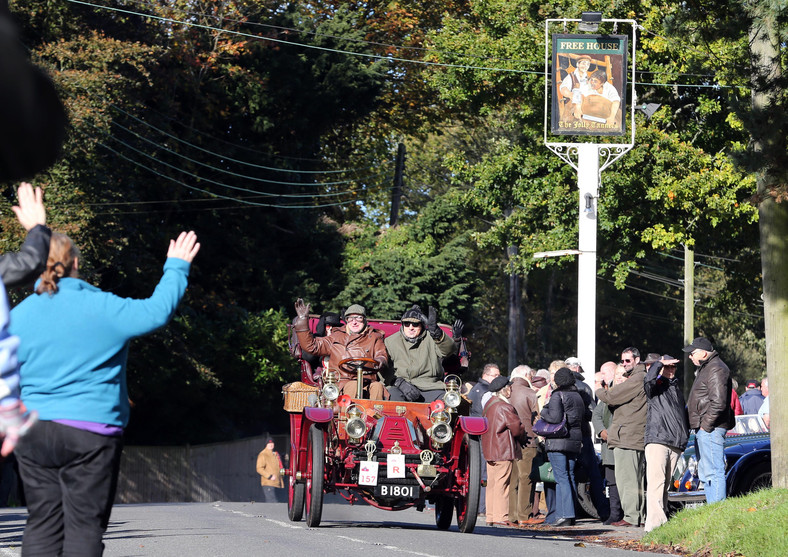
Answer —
251 529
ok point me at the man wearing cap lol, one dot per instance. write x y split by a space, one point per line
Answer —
752 398
415 354
710 415
501 445
268 466
355 340
627 400
667 432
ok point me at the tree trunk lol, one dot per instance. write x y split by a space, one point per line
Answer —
773 224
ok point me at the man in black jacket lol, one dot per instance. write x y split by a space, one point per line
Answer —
667 432
710 415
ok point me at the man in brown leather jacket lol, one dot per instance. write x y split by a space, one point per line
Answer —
521 489
501 446
356 339
710 415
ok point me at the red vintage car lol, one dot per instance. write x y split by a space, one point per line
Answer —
393 455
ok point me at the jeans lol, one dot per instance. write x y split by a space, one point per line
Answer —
711 462
70 477
564 472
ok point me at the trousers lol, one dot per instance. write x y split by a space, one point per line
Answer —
70 478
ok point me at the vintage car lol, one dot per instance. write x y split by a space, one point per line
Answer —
748 465
392 455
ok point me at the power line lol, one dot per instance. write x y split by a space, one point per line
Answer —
244 176
225 157
314 47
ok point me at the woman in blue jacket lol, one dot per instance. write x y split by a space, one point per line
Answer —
74 343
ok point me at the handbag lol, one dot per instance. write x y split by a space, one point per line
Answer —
552 431
541 469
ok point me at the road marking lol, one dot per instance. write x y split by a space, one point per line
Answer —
284 524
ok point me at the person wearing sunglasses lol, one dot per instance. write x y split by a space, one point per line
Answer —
356 339
415 354
625 436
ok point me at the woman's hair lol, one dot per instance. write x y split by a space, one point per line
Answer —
60 263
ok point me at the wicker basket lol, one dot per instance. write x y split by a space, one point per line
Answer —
296 395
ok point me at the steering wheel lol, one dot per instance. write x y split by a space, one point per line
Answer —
351 365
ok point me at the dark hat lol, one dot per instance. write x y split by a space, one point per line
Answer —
415 314
269 441
331 319
355 309
699 343
564 377
753 384
498 383
651 358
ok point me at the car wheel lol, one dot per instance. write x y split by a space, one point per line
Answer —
470 462
315 459
758 477
295 500
444 512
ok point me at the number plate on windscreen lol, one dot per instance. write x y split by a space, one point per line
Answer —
398 491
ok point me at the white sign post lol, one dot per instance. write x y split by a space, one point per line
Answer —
585 158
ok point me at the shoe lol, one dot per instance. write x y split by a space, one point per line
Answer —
535 520
564 522
621 523
610 521
505 524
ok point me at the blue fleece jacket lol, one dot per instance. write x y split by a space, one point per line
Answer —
74 345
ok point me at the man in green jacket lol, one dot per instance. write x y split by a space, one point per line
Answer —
415 354
626 435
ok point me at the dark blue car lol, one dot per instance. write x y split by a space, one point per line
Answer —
748 465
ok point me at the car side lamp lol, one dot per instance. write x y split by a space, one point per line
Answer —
440 432
452 396
330 389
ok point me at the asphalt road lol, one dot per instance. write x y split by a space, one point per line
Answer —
250 529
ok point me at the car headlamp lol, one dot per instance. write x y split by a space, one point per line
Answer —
356 426
440 432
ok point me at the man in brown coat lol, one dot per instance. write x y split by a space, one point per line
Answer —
521 489
354 340
268 466
501 446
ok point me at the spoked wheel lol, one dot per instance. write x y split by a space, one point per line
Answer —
315 460
295 500
444 512
468 503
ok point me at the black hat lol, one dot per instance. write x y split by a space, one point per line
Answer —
415 314
564 377
498 383
699 343
332 319
651 358
753 384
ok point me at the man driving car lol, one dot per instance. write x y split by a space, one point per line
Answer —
355 340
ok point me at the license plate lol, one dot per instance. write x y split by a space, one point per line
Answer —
398 491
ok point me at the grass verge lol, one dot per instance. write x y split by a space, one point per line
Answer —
755 525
